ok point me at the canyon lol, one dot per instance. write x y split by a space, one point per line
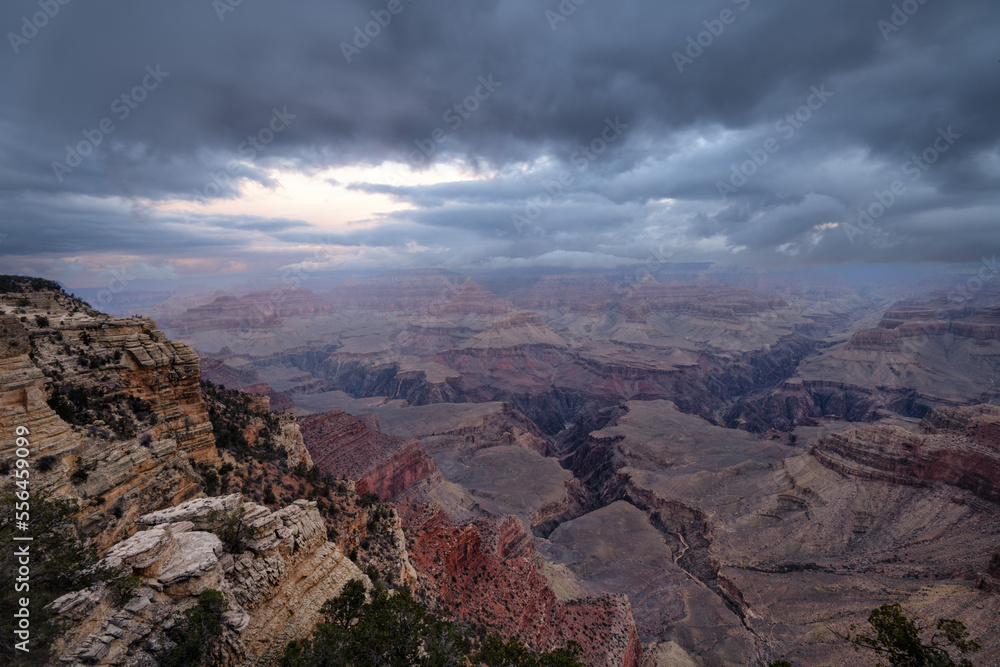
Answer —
670 467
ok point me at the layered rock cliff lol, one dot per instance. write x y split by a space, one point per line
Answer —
487 572
960 447
119 421
274 584
345 447
101 394
476 567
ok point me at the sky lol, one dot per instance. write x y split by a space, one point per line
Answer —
168 141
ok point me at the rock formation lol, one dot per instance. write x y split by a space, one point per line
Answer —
962 449
734 549
133 399
480 569
274 588
487 572
345 447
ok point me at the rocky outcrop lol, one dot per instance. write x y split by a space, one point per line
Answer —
515 331
944 347
736 549
799 402
282 428
256 310
961 448
470 298
129 405
467 426
274 588
277 401
878 340
487 572
345 447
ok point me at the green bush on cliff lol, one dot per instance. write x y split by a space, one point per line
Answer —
392 629
898 639
230 528
59 561
196 630
904 642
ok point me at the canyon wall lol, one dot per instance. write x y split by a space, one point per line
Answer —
98 393
961 447
345 447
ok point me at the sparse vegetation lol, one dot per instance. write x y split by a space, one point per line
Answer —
123 589
232 415
211 479
231 530
905 642
269 497
46 463
86 406
392 629
22 284
81 474
196 631
61 560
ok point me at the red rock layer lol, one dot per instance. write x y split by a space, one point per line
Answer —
392 477
486 572
962 448
345 447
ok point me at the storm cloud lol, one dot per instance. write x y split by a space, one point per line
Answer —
586 132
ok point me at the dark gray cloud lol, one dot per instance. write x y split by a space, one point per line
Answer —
208 82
